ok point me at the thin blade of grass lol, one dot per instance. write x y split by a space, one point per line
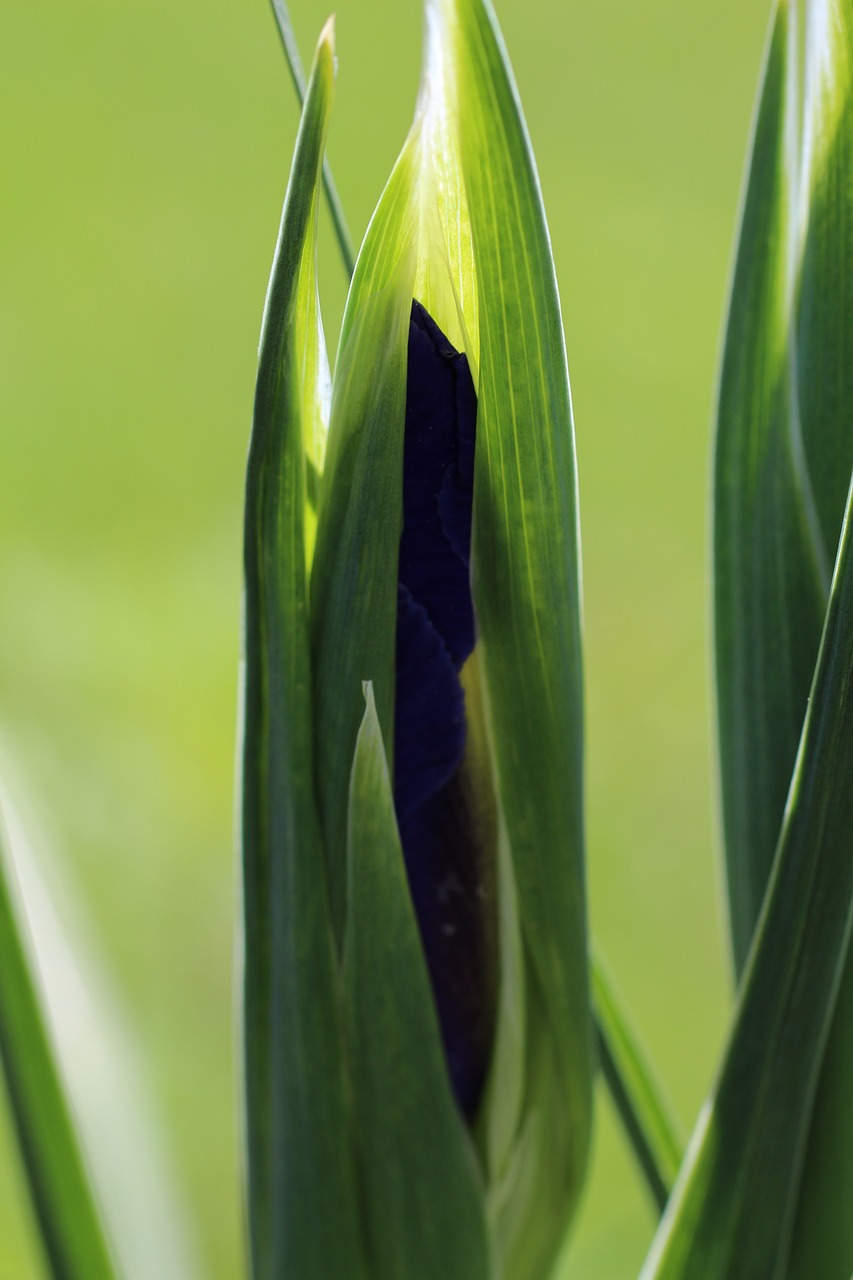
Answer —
68 1217
645 1113
294 62
125 1147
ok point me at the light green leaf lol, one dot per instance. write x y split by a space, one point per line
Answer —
769 587
732 1211
125 1147
823 1238
526 586
461 228
68 1217
645 1113
422 1191
303 1215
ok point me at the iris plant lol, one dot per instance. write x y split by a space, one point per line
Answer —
413 822
418 1025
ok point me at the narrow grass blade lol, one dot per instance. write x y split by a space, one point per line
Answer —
68 1218
121 1133
823 1238
294 62
422 1192
303 1219
769 589
732 1211
637 1095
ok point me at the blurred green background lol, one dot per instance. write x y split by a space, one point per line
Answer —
144 155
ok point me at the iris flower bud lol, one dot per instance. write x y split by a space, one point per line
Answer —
418 1045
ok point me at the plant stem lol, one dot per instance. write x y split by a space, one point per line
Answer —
642 1108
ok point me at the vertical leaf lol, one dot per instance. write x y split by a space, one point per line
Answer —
67 1215
354 576
121 1136
824 331
423 1194
732 1211
769 594
526 585
303 1217
823 1240
636 1092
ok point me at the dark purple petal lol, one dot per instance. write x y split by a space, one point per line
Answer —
447 869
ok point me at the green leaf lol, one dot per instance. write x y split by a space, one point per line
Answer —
303 1216
526 586
294 62
68 1218
732 1211
823 1238
645 1113
461 228
125 1148
354 576
824 338
769 584
422 1191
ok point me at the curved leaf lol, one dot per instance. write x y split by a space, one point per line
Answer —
68 1217
823 1238
769 588
526 586
637 1096
732 1211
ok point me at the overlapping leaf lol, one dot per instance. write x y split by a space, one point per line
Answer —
823 1237
769 587
525 565
732 1211
421 1188
734 1208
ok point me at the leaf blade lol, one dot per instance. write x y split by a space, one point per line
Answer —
526 588
64 1203
422 1190
645 1113
300 1165
823 1237
732 1211
769 593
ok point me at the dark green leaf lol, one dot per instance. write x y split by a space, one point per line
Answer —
302 1206
732 1211
422 1191
769 588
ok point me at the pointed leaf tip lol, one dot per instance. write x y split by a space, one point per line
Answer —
327 35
